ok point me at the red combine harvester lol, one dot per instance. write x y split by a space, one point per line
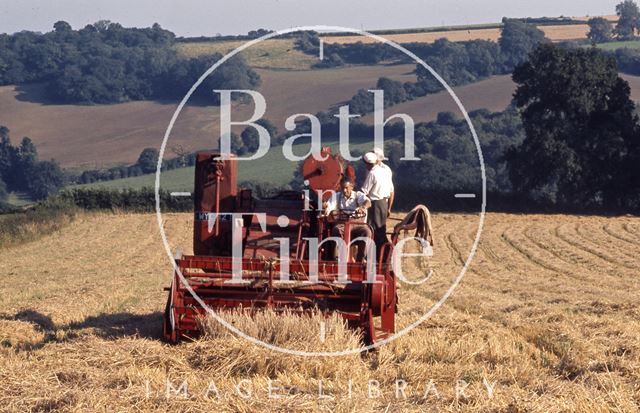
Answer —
366 299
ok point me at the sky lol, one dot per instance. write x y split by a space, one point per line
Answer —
212 17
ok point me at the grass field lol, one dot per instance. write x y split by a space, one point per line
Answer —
547 316
19 199
273 168
630 44
272 53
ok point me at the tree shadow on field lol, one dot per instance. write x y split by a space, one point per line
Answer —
121 325
33 93
107 326
42 322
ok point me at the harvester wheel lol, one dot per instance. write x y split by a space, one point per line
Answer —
168 325
378 319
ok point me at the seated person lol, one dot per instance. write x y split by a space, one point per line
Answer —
354 205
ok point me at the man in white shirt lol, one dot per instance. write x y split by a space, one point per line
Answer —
380 154
353 204
378 187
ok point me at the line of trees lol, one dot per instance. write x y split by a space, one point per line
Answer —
571 142
458 63
146 164
21 170
448 155
449 159
471 59
139 200
107 63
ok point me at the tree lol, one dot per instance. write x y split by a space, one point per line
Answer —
394 91
148 160
27 153
62 26
517 40
3 191
580 129
258 33
269 126
601 30
25 159
628 60
250 138
628 19
43 179
20 169
450 61
237 146
7 155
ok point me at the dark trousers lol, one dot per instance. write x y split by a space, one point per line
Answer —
377 220
357 231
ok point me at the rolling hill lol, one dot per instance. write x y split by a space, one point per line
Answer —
94 136
90 137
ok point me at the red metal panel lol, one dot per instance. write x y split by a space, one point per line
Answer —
215 191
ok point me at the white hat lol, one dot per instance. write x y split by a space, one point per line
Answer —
370 157
379 153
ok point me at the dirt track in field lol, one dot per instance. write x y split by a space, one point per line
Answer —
548 314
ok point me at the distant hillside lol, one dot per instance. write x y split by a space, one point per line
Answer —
280 53
102 135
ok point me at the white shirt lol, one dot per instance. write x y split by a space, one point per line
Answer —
378 184
341 203
388 170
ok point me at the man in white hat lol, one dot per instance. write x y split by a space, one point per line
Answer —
378 187
380 154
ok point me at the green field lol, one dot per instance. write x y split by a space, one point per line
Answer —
19 199
272 168
271 54
630 44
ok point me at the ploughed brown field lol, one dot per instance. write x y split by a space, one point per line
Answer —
547 317
106 134
102 135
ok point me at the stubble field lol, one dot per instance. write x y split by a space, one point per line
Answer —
546 319
555 33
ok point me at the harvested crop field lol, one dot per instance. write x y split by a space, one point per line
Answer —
555 33
547 318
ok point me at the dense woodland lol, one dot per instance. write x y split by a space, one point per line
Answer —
107 63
